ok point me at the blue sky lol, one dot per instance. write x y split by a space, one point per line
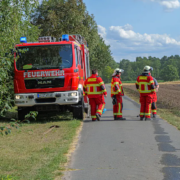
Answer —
138 27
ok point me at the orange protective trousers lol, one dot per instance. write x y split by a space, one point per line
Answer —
146 102
97 106
117 108
154 107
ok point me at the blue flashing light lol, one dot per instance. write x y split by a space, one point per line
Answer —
65 37
23 40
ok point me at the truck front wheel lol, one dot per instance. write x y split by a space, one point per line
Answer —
78 110
22 113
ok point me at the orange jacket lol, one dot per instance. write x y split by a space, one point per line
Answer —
116 86
94 86
145 84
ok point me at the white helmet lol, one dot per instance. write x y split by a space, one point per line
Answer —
148 69
117 70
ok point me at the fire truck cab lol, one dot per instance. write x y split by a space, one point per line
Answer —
49 75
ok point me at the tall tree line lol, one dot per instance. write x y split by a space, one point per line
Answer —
166 68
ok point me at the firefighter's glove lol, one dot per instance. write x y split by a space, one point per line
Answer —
102 87
114 100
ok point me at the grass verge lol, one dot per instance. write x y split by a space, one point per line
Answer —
38 150
170 115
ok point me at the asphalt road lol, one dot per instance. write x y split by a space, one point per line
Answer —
126 150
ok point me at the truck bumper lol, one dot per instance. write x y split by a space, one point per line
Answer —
58 98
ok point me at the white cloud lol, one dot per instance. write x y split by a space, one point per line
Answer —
102 31
171 4
136 38
127 27
127 43
168 4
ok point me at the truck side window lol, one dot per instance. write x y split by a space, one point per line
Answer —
76 55
88 70
87 65
81 63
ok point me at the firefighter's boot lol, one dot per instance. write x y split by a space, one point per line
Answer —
147 119
121 118
141 118
98 116
154 116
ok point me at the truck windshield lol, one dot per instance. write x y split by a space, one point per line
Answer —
44 57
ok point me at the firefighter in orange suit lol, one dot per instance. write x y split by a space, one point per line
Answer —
145 86
154 107
116 94
95 89
154 100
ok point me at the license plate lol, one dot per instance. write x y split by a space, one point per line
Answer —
45 95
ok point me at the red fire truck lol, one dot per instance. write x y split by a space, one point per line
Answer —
49 75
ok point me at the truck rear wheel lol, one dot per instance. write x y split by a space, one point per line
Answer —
78 110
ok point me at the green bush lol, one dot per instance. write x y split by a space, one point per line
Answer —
7 178
14 23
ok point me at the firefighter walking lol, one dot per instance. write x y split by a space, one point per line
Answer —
94 88
116 94
145 86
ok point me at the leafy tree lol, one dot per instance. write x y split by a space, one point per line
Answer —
107 74
101 55
170 73
14 23
113 64
164 59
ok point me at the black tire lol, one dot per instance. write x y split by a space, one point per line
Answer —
70 109
78 110
22 113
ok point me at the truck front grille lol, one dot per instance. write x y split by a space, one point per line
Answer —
44 83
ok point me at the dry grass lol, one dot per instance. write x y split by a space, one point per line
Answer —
170 82
34 152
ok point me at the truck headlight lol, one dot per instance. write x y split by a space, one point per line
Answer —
72 94
19 97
